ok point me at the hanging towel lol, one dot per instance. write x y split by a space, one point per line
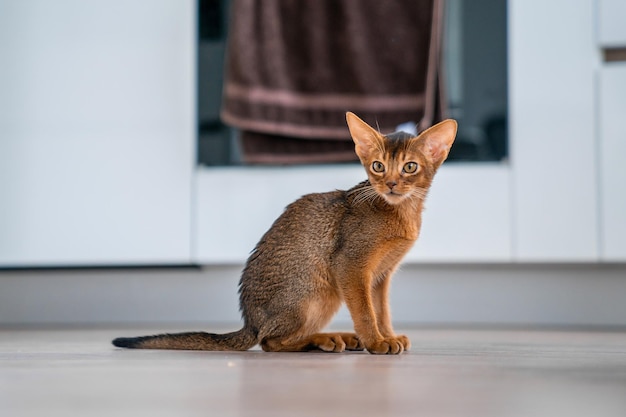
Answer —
295 67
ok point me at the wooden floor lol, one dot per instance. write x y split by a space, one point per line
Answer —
447 373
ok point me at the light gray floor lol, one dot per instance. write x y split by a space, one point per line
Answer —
447 373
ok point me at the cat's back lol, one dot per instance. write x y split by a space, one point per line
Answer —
313 219
295 248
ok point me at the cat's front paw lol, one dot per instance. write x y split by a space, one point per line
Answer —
406 342
389 345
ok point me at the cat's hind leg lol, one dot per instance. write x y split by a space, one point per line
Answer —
302 332
327 342
352 341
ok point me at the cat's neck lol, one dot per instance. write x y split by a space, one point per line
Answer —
403 219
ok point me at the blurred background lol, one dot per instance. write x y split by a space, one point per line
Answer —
138 166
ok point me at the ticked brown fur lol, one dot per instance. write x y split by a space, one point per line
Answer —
329 248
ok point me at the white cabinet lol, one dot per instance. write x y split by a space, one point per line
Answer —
467 216
611 101
611 15
97 131
552 130
612 131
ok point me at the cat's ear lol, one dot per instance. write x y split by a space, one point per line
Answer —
366 139
438 140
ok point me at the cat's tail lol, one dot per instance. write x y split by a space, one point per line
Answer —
242 339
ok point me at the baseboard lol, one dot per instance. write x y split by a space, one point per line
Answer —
505 294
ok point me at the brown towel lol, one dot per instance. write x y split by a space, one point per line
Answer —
295 67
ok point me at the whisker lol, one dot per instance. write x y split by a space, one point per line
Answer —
419 193
364 194
368 194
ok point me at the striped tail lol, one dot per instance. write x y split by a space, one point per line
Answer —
240 340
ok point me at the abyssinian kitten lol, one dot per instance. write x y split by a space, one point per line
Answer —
329 248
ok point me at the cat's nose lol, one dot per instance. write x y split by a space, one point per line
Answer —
391 184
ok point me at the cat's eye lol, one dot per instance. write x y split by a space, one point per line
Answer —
410 167
378 166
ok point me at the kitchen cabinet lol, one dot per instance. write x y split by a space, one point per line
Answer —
612 149
97 132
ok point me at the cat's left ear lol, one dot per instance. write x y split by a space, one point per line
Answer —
438 140
366 138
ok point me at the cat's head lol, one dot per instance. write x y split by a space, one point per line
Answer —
401 166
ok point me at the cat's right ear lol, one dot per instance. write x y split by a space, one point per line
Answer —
366 138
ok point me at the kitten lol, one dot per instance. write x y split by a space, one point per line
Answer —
329 248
